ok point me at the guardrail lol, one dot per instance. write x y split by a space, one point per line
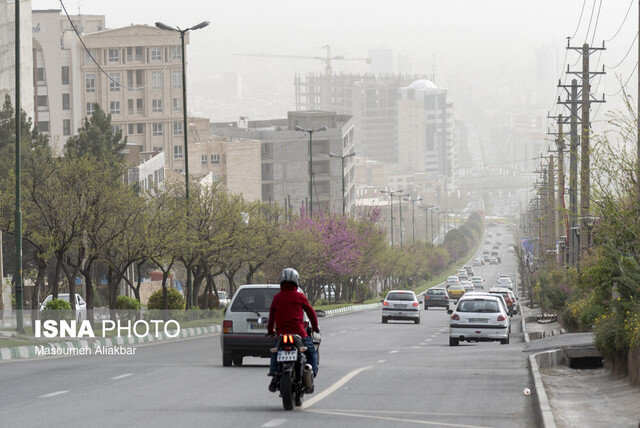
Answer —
353 308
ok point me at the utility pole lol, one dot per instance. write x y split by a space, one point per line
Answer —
638 123
310 132
551 212
391 195
586 100
18 212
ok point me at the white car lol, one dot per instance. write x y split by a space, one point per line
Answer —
504 281
479 318
452 280
401 305
81 305
223 299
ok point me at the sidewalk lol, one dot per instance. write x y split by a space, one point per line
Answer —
574 397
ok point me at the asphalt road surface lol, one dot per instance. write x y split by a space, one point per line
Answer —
371 375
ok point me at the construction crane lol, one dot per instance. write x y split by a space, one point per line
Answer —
325 59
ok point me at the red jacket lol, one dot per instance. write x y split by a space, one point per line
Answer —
286 312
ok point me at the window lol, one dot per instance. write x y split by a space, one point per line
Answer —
139 109
129 54
140 127
215 158
157 149
43 126
157 129
66 102
114 55
156 106
90 82
177 128
65 75
177 152
130 109
131 128
156 54
204 159
66 127
40 74
115 129
42 102
176 52
114 107
88 54
156 80
177 104
138 53
90 108
114 82
130 83
176 78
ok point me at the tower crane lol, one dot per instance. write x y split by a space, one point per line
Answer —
325 59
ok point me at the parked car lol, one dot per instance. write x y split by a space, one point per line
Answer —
456 291
479 318
401 305
452 280
436 298
223 298
244 327
81 305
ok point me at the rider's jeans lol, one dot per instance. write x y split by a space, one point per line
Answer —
312 356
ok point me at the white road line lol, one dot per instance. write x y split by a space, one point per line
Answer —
381 361
324 394
122 376
393 352
429 340
384 418
274 423
53 394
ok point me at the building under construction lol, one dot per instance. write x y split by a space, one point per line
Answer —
372 101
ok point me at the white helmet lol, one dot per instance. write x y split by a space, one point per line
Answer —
290 275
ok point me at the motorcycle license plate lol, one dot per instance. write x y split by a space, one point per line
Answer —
287 355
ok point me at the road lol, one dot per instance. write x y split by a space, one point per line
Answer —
371 374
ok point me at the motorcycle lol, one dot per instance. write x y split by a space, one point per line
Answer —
294 376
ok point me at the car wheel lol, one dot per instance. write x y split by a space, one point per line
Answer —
426 308
384 320
237 360
417 321
453 341
504 341
226 359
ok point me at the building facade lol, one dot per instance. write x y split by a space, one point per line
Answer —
8 58
284 158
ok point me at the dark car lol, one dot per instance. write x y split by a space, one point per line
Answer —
436 298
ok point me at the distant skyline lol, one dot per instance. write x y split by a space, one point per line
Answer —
476 44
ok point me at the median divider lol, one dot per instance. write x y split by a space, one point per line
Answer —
349 309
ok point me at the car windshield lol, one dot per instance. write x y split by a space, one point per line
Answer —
253 299
438 292
222 294
478 306
400 296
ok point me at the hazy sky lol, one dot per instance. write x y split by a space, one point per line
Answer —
476 43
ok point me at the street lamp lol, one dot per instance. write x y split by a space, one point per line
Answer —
332 155
162 26
391 195
413 218
310 131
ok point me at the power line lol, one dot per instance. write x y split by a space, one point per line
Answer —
623 21
580 19
595 29
625 55
593 8
625 83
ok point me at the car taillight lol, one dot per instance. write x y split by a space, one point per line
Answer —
455 317
501 318
227 326
415 304
426 297
385 303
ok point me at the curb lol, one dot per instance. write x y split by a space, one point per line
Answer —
74 347
354 308
542 407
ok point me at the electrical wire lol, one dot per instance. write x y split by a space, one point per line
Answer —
623 21
595 29
580 19
625 55
625 83
88 51
266 153
593 8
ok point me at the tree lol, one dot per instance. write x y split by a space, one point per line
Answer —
97 139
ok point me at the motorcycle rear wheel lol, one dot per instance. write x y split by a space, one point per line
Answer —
286 391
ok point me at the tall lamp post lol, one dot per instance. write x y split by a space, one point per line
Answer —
311 132
413 218
391 195
332 155
162 26
18 211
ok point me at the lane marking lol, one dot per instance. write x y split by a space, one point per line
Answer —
122 376
381 361
393 352
274 423
53 394
324 394
429 340
384 418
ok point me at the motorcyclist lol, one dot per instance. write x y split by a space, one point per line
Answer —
286 313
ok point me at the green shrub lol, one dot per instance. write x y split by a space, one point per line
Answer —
174 300
58 305
57 309
610 338
124 302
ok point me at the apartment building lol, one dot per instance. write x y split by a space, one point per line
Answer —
7 55
284 158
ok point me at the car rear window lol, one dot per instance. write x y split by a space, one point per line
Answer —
253 299
477 306
400 296
438 292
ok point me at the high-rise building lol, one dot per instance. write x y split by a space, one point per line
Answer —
426 137
7 55
285 158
